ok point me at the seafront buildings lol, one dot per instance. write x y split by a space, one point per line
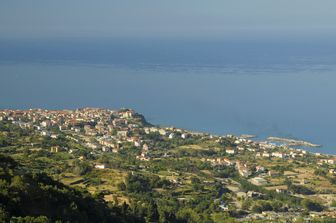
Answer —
107 130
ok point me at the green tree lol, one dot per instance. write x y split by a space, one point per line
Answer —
18 183
311 205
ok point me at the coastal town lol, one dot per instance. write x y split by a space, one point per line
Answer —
106 135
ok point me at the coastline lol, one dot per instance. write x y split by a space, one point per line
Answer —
293 142
287 142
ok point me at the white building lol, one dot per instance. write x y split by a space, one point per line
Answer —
100 166
266 155
162 132
230 151
279 155
106 149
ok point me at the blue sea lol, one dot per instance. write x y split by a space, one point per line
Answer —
279 87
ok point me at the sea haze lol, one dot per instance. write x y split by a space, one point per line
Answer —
282 88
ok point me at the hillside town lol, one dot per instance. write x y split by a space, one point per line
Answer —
105 131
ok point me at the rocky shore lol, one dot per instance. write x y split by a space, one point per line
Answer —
292 142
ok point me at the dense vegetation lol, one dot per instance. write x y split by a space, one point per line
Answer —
27 197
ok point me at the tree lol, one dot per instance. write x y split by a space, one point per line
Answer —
81 167
37 198
310 205
261 206
136 183
152 212
121 186
18 183
188 215
320 172
29 219
3 215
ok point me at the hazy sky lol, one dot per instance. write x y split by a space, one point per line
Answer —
170 18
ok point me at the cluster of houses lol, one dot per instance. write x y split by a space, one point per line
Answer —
107 130
90 121
170 132
219 161
331 163
328 161
98 129
145 156
262 149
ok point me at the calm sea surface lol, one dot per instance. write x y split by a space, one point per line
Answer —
268 88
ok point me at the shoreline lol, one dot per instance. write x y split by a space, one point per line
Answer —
293 142
305 145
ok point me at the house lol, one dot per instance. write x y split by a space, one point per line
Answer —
91 132
54 136
332 161
119 122
75 129
258 181
293 155
243 170
162 132
240 148
132 126
55 149
304 181
266 155
122 133
81 158
106 149
147 130
143 156
279 155
171 135
45 133
62 127
145 147
260 168
251 149
273 173
184 135
321 161
45 123
254 194
127 114
100 166
107 142
137 144
110 128
224 207
228 162
279 190
332 171
100 128
91 145
230 151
